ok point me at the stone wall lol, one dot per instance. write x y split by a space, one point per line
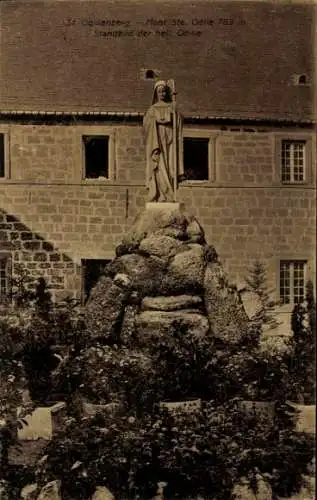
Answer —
28 251
246 212
54 153
245 158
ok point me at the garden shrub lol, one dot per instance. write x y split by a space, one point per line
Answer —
140 376
177 367
202 452
13 383
101 374
255 370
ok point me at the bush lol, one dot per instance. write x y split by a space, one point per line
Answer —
13 383
169 369
255 370
101 373
38 329
204 452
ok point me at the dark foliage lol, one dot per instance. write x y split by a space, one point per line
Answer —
203 452
303 366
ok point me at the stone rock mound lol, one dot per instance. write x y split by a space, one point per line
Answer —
165 276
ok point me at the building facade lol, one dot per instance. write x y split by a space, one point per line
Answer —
72 163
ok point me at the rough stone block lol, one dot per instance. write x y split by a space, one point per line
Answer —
105 307
161 246
226 314
171 303
29 492
51 491
43 422
305 417
102 493
151 324
195 232
144 272
251 303
186 269
163 217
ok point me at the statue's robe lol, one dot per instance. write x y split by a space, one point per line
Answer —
159 137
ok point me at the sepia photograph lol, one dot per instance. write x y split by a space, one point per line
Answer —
158 249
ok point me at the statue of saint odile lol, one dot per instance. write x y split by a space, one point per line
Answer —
163 134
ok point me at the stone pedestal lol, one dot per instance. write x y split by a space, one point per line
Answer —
165 206
167 218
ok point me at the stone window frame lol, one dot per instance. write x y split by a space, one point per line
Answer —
193 133
6 139
293 151
6 257
96 131
301 80
287 308
309 156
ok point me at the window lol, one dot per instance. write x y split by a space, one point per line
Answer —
92 270
300 79
292 281
4 276
149 73
293 161
2 156
96 156
196 158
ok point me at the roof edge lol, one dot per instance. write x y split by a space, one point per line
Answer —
139 115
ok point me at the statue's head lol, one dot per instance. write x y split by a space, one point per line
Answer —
162 92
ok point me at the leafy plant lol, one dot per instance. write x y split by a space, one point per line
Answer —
204 452
13 384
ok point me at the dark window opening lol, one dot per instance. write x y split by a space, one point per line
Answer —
302 80
196 159
92 270
149 73
96 156
2 158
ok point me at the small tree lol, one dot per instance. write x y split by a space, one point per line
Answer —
257 283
